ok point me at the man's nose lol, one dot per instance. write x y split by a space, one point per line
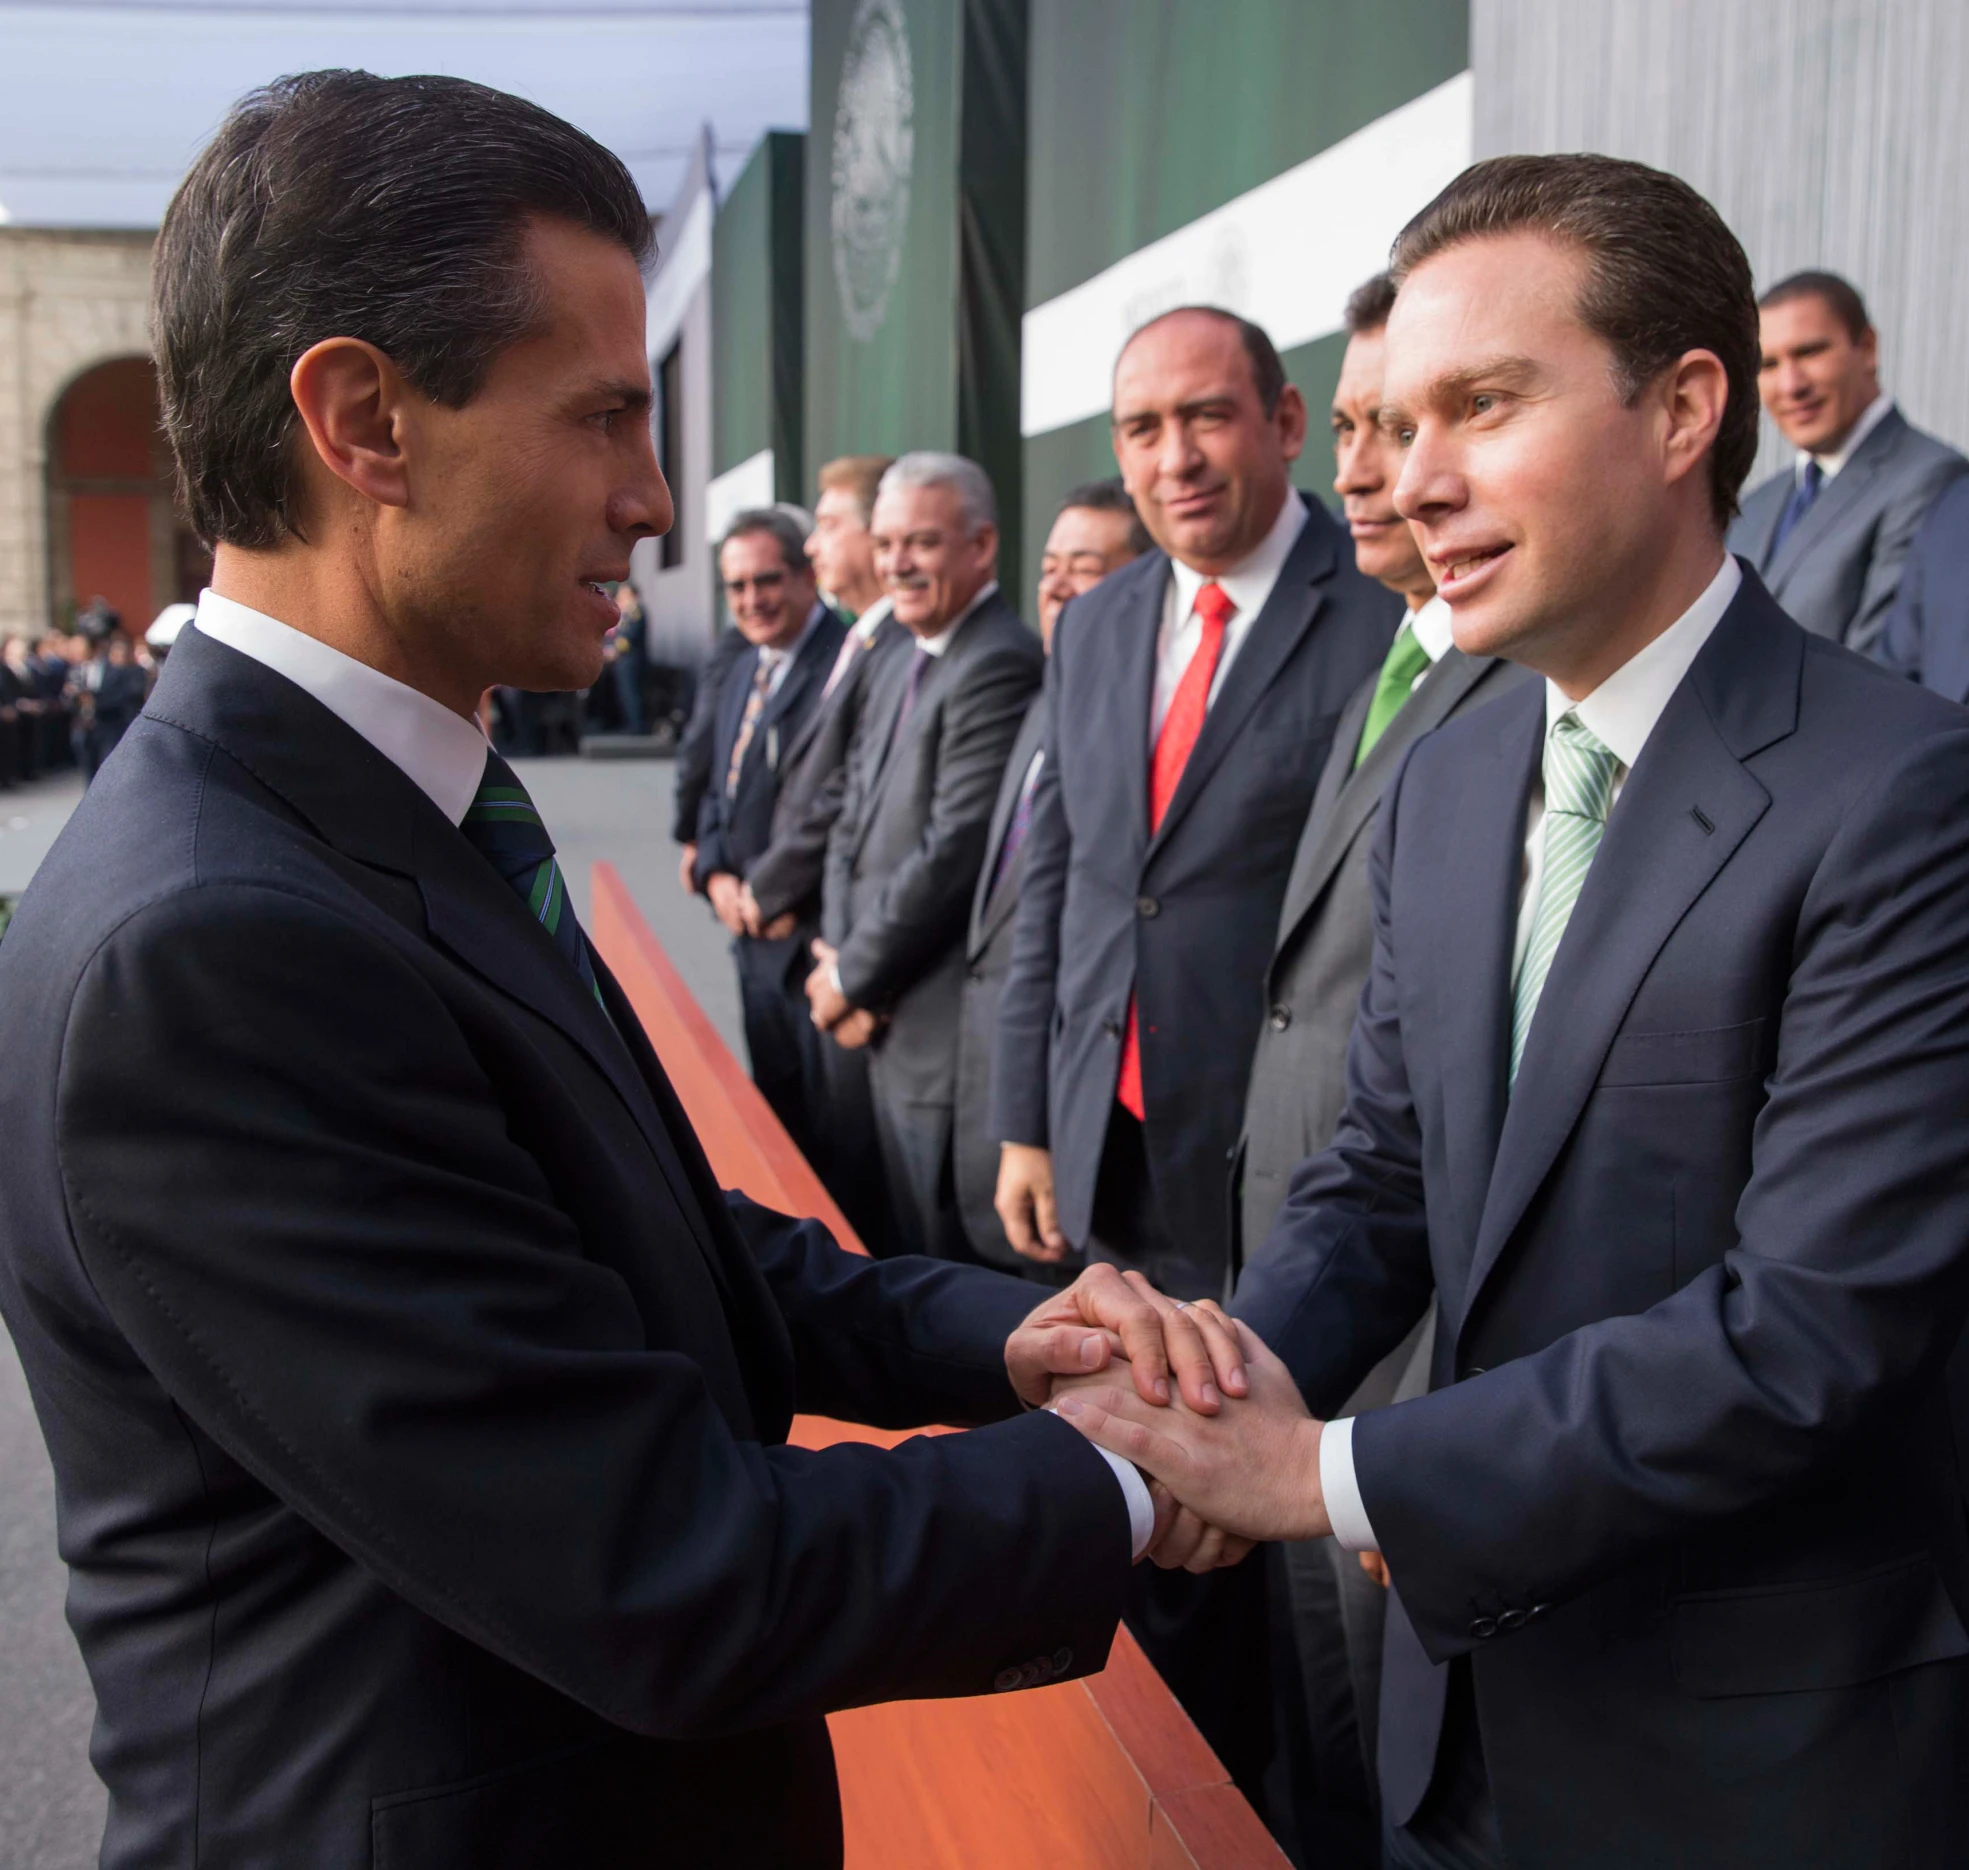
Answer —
1428 481
641 506
1177 454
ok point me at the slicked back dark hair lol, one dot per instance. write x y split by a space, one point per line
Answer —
771 523
1664 274
339 204
1109 496
1267 372
1842 299
1369 304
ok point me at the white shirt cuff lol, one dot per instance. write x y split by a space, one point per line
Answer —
1341 1490
1141 1509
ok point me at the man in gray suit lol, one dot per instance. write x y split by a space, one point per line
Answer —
1095 531
1829 534
904 855
1312 991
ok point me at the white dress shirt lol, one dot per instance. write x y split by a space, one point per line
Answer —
776 662
1621 713
936 645
1830 464
1247 584
444 754
1434 632
860 634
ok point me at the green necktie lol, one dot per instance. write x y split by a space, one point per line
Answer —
1406 659
1578 795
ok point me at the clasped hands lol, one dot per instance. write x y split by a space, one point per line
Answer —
1193 1398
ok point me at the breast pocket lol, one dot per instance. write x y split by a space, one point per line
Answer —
1709 1055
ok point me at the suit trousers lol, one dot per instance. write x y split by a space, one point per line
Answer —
779 1036
915 1141
848 1155
1128 1226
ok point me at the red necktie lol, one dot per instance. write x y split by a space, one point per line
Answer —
1173 746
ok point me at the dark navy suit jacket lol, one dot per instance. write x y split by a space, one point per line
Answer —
418 1403
1184 919
732 832
1689 1487
1927 633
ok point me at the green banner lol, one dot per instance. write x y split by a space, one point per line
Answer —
915 209
758 310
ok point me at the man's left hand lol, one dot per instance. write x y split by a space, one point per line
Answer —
830 1006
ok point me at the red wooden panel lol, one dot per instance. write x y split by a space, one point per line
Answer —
1106 1773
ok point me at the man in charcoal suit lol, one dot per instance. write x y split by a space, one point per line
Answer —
1312 992
417 1401
1096 531
1927 633
1828 535
1654 1090
904 856
770 694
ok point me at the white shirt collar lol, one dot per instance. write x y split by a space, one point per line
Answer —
1870 419
772 658
441 752
872 619
1249 582
936 645
1433 628
1621 713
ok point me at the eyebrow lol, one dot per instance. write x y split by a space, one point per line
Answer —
1505 369
1195 406
636 396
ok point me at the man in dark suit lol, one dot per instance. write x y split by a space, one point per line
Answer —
1829 534
1312 992
690 771
417 1401
782 893
764 704
1162 833
1096 531
1927 632
904 856
1655 1088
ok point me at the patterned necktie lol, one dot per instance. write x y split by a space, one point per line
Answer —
1173 747
755 705
502 823
1578 795
1405 662
1797 506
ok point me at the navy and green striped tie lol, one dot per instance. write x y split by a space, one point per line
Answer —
502 822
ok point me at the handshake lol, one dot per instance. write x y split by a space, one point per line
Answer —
1193 1398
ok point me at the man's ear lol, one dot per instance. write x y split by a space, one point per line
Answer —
1290 416
1695 392
350 398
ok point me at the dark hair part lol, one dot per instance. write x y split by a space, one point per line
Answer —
1267 372
1369 304
1109 496
781 527
1664 274
1841 296
857 476
338 204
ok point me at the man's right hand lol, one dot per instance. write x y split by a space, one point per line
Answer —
1025 1203
686 863
723 889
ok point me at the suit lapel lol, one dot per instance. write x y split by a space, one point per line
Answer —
1838 496
1684 810
1349 795
994 904
1277 632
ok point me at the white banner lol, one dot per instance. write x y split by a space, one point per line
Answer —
748 485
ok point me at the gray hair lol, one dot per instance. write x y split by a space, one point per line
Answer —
775 522
928 467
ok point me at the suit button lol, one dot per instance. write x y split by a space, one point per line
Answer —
1008 1679
1536 1611
1483 1628
1514 1620
1062 1661
1112 1027
1147 906
1281 1018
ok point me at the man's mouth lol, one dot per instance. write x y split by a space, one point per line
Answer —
1459 571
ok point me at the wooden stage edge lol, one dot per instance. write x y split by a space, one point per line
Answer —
1105 1773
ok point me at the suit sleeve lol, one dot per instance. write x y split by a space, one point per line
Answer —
924 902
1020 1047
301 1201
1344 1274
713 856
1891 540
1843 1297
791 871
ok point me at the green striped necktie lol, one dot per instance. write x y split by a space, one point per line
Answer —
1405 661
502 823
1579 775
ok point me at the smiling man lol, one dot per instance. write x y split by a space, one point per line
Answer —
1830 534
417 1402
1655 1089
